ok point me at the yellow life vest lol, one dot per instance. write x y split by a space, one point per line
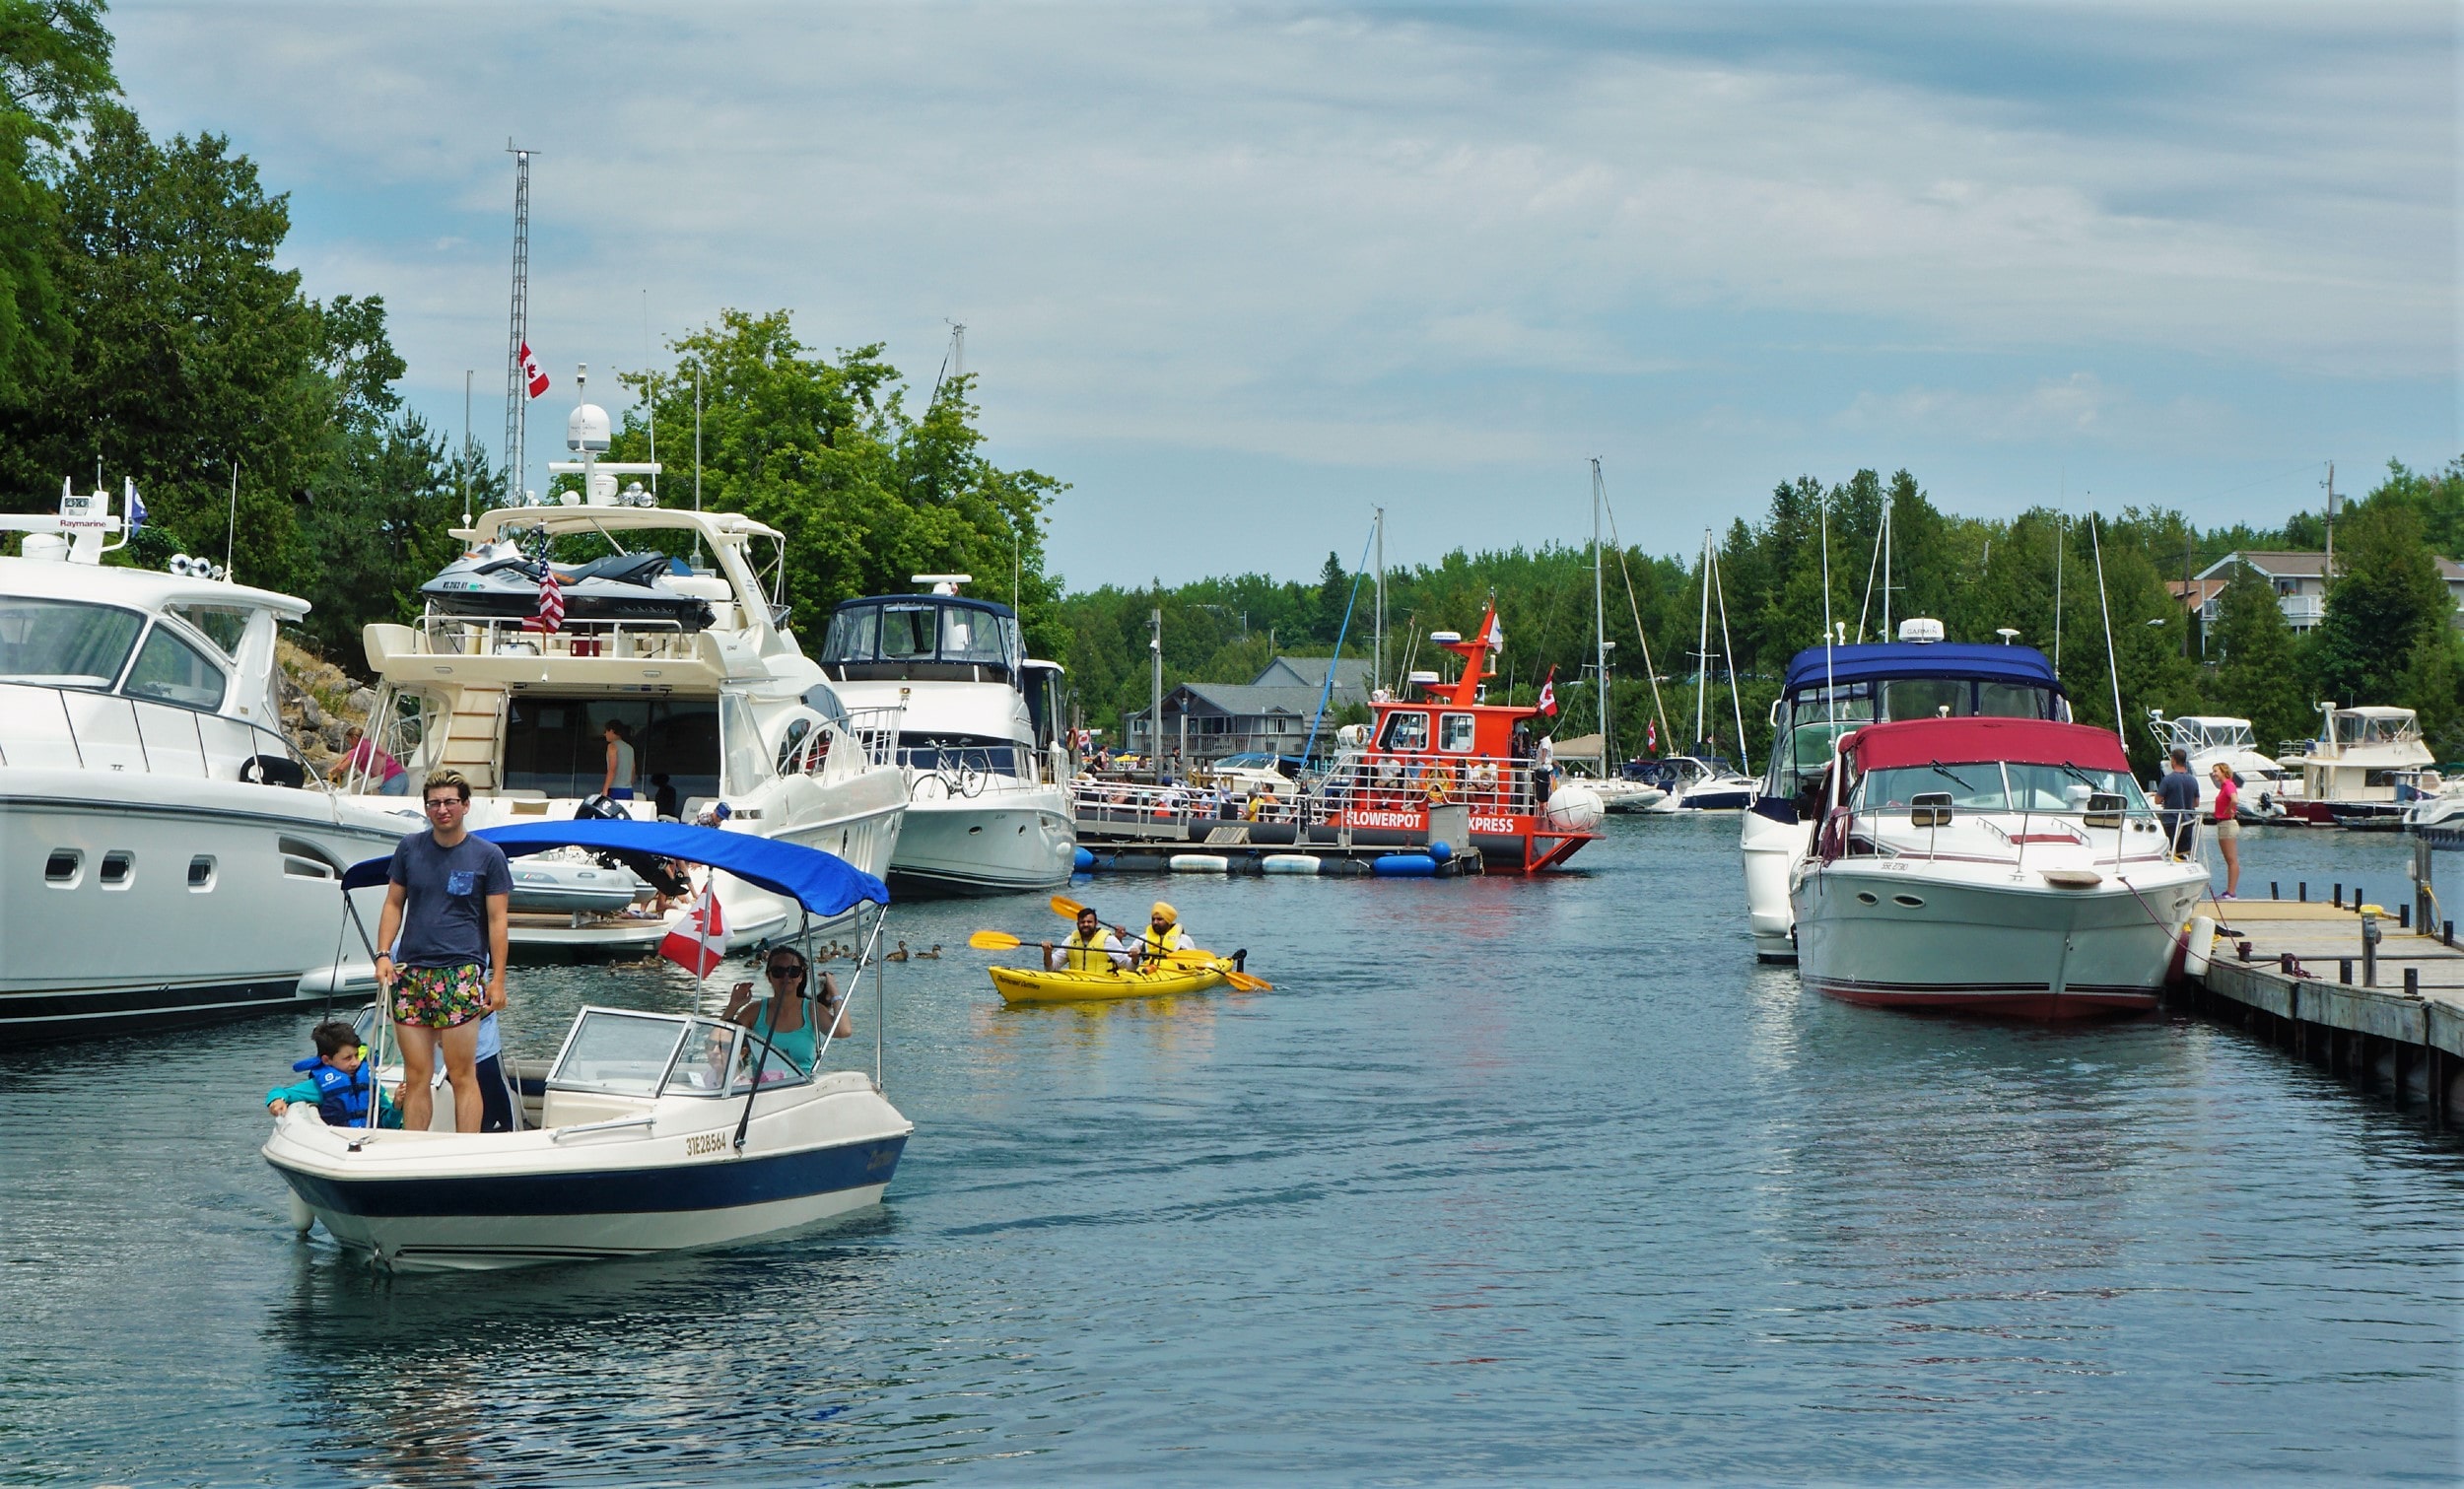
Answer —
1157 947
1084 955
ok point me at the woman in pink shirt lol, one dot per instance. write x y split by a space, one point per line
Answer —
359 753
2227 826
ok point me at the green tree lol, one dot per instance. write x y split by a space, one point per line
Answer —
55 68
2385 600
2256 661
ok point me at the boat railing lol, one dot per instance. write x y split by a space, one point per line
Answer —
1890 832
443 635
75 728
875 732
1365 791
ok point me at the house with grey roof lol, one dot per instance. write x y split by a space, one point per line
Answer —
2301 582
1270 714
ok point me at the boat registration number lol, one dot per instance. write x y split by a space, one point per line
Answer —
700 1143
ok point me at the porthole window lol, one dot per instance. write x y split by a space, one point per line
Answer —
62 869
1865 897
1910 901
201 873
118 864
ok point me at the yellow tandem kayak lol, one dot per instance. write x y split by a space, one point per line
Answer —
1026 985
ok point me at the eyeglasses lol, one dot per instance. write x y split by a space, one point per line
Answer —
779 973
441 802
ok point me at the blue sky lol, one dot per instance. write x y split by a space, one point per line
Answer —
1239 274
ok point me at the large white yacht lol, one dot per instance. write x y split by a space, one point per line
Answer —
2211 740
165 855
986 772
691 657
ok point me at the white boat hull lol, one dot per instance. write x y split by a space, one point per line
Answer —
450 1201
84 953
1911 933
1001 843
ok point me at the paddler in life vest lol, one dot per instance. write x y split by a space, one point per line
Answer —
1164 935
1091 948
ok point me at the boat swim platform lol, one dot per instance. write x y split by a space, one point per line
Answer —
2375 998
1241 857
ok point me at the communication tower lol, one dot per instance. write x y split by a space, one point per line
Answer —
516 386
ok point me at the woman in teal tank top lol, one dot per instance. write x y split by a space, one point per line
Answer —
781 1017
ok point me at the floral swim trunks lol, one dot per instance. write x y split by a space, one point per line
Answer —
439 997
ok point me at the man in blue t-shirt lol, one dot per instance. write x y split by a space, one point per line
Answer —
2178 794
446 896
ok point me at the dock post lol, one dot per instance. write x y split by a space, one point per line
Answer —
2369 945
2403 917
2304 889
2412 981
2344 971
2446 932
2340 894
2271 889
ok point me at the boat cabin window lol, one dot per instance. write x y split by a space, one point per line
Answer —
2011 700
1923 696
962 754
748 766
618 1053
1981 786
922 640
222 625
172 671
64 643
558 745
1405 731
2067 789
1454 731
1974 787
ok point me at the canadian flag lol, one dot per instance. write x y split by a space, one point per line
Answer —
699 943
531 375
1651 735
1548 694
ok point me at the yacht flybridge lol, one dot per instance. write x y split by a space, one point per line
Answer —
989 809
2352 773
707 689
168 856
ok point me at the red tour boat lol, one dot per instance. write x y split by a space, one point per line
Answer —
1449 747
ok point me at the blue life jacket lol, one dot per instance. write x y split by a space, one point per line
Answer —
341 1098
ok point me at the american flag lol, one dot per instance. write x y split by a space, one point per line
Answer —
551 616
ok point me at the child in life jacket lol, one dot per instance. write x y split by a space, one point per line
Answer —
340 1080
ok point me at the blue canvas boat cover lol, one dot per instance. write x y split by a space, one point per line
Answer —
1875 662
823 883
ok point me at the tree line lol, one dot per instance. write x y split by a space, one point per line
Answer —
2388 637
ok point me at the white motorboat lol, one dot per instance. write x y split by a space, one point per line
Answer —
2430 801
1697 784
1999 865
726 717
2351 772
168 856
1829 690
1619 794
2213 740
987 780
656 1132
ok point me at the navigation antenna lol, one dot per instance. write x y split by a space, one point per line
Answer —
516 386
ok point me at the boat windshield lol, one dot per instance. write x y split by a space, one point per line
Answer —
64 643
2379 729
718 1060
619 1054
1992 787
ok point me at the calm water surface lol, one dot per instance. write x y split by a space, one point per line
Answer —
1508 1182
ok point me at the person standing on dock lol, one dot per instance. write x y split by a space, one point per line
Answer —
2228 825
2178 794
446 897
1090 948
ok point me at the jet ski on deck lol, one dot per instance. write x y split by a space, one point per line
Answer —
501 581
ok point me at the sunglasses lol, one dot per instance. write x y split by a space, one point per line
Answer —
783 971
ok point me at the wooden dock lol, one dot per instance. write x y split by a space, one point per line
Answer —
2374 997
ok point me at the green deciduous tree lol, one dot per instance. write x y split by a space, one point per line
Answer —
2385 600
2256 661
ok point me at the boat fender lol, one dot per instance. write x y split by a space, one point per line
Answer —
1083 862
1288 863
1406 867
1441 851
302 1217
2197 946
1199 863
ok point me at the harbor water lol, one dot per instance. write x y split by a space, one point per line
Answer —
1507 1182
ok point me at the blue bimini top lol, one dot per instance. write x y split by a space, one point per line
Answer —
823 883
1891 660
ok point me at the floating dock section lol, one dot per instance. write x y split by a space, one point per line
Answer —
1200 844
2372 995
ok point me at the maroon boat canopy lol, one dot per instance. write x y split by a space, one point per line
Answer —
1972 741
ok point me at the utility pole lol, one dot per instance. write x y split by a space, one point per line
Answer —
1155 711
2191 607
516 384
2329 574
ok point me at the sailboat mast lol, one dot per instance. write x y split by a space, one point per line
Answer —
1702 643
1377 634
1599 620
1887 506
